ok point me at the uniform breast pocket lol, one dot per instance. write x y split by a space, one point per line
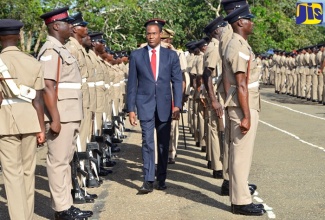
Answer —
69 60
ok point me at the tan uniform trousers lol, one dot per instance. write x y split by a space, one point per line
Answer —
108 104
303 81
173 142
60 153
294 82
309 73
18 159
289 81
320 86
314 83
266 76
201 124
92 108
283 80
240 156
323 86
195 121
272 77
216 161
100 95
298 73
225 153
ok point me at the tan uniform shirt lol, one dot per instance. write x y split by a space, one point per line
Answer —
237 56
78 51
69 100
20 118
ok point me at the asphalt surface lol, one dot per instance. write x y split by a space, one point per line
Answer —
288 168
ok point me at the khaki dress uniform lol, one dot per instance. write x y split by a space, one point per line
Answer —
237 57
195 103
319 77
305 63
282 76
77 50
109 79
225 39
271 70
18 128
174 131
323 72
190 59
314 77
275 70
100 93
61 147
289 77
293 64
299 70
311 92
91 81
201 103
212 59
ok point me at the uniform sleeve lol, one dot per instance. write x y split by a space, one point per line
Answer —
213 58
182 61
238 58
39 83
50 62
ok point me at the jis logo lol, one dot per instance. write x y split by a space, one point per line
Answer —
309 13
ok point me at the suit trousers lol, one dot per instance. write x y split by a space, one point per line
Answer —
18 159
60 153
240 155
148 147
174 134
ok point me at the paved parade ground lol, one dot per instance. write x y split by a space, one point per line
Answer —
288 168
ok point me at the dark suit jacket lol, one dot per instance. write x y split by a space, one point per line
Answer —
149 95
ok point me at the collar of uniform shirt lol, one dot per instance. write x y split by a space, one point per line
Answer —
157 57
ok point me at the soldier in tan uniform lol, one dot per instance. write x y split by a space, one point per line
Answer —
229 6
242 88
63 111
304 72
215 95
319 74
299 71
282 76
22 120
314 76
310 72
166 41
271 71
79 31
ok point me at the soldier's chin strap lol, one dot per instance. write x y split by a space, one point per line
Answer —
22 92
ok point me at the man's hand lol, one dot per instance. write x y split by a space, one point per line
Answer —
175 113
217 107
245 125
55 127
132 119
40 137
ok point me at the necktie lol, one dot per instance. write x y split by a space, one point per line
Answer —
153 63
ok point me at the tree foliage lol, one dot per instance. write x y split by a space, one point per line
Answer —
121 21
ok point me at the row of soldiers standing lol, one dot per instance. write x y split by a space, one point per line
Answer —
299 73
82 87
224 102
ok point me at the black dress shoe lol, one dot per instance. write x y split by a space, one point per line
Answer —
161 185
104 172
171 161
217 174
93 196
146 187
250 209
109 163
197 144
258 205
203 149
72 213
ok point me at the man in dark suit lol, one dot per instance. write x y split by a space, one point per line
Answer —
154 78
